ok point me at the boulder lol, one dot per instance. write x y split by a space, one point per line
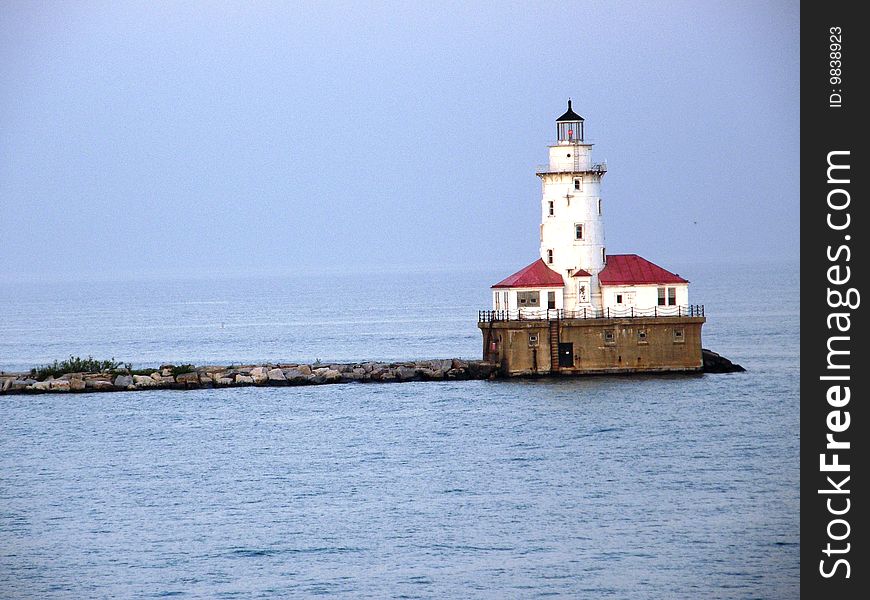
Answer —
455 374
304 369
123 381
158 377
244 379
353 376
295 376
716 363
142 381
276 376
431 373
7 384
320 370
458 364
260 374
223 381
98 385
407 373
332 376
480 369
21 384
41 386
77 384
59 385
316 379
188 379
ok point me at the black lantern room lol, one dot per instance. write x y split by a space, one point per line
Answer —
569 127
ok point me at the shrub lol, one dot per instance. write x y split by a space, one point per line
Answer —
182 369
75 364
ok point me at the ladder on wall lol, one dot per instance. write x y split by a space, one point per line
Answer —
554 345
576 155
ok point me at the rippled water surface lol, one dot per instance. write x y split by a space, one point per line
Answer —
623 487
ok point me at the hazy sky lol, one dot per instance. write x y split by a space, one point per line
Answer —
187 137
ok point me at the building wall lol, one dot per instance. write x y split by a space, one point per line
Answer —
498 302
559 159
594 351
641 296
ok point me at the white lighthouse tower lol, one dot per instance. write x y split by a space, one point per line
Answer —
572 226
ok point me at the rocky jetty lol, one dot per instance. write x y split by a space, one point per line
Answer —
716 363
173 377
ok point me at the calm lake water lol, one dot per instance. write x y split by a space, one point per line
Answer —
622 487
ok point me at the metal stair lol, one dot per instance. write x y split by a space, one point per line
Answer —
554 345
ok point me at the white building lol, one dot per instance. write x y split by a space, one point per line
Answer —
574 274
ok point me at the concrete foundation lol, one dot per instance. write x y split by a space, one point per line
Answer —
588 346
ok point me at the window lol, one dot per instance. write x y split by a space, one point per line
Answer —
578 183
533 340
641 336
679 335
551 208
551 300
599 206
505 296
619 298
609 338
604 255
528 299
497 303
550 256
669 293
578 231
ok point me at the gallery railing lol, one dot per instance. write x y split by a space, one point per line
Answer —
543 314
594 168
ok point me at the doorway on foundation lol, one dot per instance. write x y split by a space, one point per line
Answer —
566 354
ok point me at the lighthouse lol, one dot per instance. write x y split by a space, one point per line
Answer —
572 225
574 274
587 310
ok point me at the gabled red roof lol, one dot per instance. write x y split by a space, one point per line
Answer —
631 269
536 274
581 273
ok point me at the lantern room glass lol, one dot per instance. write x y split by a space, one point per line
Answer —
570 131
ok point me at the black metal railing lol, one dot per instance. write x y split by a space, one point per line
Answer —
551 314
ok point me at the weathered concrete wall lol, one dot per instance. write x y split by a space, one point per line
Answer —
599 345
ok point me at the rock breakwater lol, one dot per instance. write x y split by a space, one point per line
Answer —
172 377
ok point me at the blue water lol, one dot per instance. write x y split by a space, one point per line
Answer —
623 487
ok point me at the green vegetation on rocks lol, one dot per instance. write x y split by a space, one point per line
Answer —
75 364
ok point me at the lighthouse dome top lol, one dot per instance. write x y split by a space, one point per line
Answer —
569 115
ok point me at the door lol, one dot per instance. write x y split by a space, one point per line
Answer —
551 300
566 354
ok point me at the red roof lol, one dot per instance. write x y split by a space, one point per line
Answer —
536 274
581 273
631 269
